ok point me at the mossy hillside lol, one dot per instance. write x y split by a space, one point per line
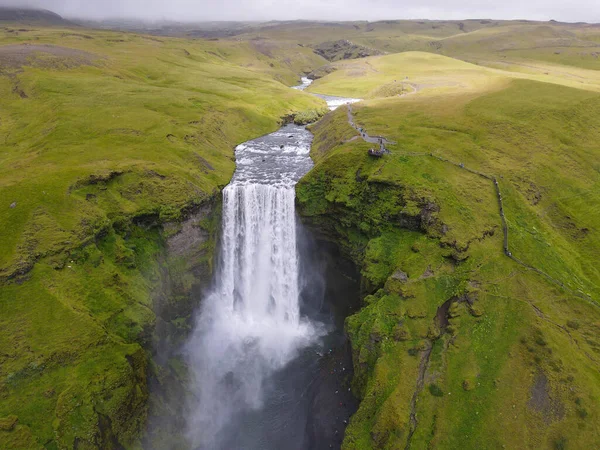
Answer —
514 44
330 132
162 119
73 367
430 74
524 43
343 49
539 140
512 357
371 77
117 139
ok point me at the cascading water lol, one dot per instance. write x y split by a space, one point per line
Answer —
250 326
333 102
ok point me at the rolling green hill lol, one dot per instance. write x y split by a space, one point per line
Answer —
502 44
460 345
114 147
427 73
109 141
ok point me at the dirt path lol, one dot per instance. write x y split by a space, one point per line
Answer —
415 88
363 133
380 140
423 365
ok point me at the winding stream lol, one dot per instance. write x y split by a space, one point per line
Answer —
267 355
333 102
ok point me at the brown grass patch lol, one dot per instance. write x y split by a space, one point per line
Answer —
20 55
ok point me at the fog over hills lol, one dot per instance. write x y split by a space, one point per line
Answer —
24 15
204 10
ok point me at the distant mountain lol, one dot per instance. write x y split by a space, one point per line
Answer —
24 15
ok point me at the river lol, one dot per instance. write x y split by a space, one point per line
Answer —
268 359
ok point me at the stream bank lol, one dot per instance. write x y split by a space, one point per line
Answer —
292 393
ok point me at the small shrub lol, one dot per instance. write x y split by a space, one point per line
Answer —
582 413
560 443
435 390
310 116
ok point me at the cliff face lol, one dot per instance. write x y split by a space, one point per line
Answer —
392 233
143 279
456 344
344 49
106 236
186 273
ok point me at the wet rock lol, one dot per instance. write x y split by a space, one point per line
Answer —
542 401
428 273
187 272
332 401
8 423
409 222
429 214
398 275
401 333
375 337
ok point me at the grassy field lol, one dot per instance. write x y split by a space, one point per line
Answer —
109 140
486 42
459 346
160 101
431 74
104 136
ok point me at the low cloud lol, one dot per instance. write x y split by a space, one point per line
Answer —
196 10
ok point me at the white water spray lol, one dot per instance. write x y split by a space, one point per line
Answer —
250 326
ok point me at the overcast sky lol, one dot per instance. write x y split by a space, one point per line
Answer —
182 10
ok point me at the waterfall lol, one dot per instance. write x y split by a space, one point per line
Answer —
249 327
250 324
260 273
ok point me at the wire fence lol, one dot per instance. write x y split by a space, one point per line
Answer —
494 180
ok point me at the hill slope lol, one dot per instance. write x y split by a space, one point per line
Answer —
28 16
427 73
461 344
112 145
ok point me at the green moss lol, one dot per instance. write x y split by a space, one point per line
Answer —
103 162
425 232
8 423
435 390
310 116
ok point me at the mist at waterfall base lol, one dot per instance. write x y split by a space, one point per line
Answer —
254 353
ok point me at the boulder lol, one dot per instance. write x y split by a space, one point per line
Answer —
400 276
